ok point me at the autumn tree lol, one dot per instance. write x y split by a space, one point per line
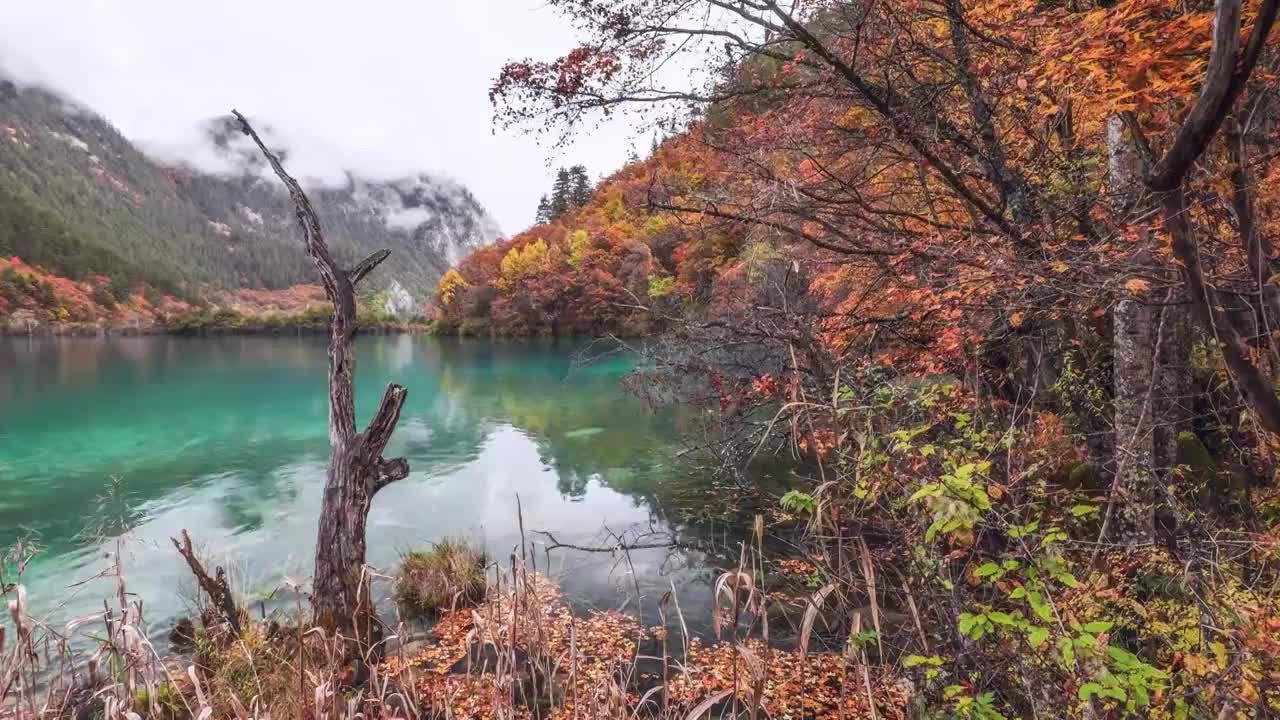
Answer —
942 157
1062 210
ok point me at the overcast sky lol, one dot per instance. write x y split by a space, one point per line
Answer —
382 87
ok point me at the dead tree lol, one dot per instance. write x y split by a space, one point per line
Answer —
215 586
357 471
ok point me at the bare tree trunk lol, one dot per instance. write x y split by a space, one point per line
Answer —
357 471
1173 400
1134 356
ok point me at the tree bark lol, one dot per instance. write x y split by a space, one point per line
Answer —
1134 357
340 598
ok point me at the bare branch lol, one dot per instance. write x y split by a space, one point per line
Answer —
366 266
307 217
389 471
378 434
216 586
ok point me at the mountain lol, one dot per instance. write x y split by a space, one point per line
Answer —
80 199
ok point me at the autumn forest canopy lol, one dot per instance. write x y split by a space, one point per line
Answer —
1000 273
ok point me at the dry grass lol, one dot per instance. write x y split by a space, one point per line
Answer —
520 652
449 575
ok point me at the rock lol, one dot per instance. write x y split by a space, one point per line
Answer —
399 302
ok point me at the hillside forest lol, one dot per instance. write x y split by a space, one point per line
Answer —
1000 273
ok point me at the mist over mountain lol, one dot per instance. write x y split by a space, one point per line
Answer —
81 199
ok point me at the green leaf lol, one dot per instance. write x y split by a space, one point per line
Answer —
1117 693
1088 690
932 532
914 660
1098 627
1082 510
986 569
1037 636
929 490
1003 618
1040 607
1021 531
1068 652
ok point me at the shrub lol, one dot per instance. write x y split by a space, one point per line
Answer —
451 574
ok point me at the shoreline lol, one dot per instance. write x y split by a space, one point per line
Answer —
91 330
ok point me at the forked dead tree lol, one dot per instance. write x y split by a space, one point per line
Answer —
357 471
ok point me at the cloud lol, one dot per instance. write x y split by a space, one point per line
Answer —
384 89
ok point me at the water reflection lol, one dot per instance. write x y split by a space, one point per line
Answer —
226 437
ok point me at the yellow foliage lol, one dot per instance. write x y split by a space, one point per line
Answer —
449 286
521 263
579 243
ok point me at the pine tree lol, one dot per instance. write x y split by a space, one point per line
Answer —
580 192
544 211
561 194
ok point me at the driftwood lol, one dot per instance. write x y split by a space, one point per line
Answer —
357 471
215 586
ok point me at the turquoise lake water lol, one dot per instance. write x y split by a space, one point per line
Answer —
127 441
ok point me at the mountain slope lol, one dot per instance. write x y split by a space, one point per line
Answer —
80 199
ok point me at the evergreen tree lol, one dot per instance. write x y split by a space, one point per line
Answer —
561 194
580 192
544 211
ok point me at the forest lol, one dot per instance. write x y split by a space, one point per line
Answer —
1000 273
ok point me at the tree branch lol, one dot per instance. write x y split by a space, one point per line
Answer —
337 285
216 587
366 266
378 433
1257 388
1223 83
389 471
312 238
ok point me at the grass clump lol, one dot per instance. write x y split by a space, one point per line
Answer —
448 575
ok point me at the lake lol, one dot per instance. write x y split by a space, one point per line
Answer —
127 441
